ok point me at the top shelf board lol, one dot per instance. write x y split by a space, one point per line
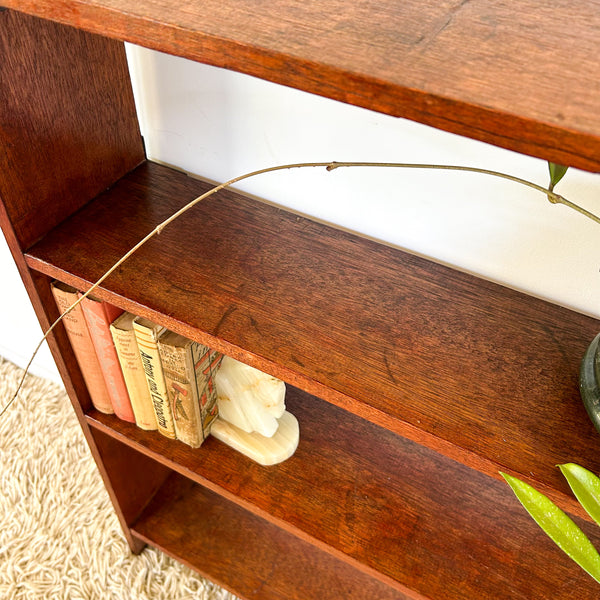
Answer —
523 76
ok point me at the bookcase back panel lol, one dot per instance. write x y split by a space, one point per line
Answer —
68 127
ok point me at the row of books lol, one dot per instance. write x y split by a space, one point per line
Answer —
140 371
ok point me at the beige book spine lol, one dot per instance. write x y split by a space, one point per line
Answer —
147 333
179 389
204 364
133 371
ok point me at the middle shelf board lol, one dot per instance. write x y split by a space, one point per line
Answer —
479 372
396 509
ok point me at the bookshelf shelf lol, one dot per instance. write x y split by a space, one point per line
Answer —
524 78
244 553
378 476
276 290
413 383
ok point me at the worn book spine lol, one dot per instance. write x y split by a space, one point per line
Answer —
187 368
204 364
125 342
147 333
83 348
179 390
99 315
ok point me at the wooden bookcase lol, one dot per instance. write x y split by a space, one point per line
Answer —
414 384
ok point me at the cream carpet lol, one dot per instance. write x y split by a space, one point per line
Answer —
59 537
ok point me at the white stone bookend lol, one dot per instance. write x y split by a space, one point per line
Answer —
252 416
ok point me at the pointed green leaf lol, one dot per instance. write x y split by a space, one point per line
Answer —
558 526
557 172
585 486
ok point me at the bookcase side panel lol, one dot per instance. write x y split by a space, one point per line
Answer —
68 126
68 129
131 479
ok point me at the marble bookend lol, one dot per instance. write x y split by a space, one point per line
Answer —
252 416
264 450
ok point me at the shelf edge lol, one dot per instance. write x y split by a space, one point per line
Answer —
532 136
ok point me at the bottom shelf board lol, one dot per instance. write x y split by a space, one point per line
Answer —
385 505
244 553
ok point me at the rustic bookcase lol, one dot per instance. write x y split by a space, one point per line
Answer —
413 383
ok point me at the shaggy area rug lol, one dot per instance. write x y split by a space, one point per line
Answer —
59 536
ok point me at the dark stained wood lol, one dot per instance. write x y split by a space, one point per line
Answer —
473 376
246 554
519 75
388 505
131 479
481 373
69 127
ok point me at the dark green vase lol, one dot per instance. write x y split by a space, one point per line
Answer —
589 378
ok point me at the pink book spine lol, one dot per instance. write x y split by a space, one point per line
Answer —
99 315
82 345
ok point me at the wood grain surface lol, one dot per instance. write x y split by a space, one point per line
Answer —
68 126
246 554
479 372
521 75
390 507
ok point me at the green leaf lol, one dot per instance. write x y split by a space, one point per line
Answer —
585 486
558 526
557 172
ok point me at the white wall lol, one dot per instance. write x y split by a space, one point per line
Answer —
20 331
221 124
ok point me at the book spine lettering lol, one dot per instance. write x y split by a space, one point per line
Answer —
146 334
135 378
158 392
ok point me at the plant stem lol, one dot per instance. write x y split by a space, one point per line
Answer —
329 166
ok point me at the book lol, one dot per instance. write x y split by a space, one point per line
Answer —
98 316
123 335
83 348
147 333
189 369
